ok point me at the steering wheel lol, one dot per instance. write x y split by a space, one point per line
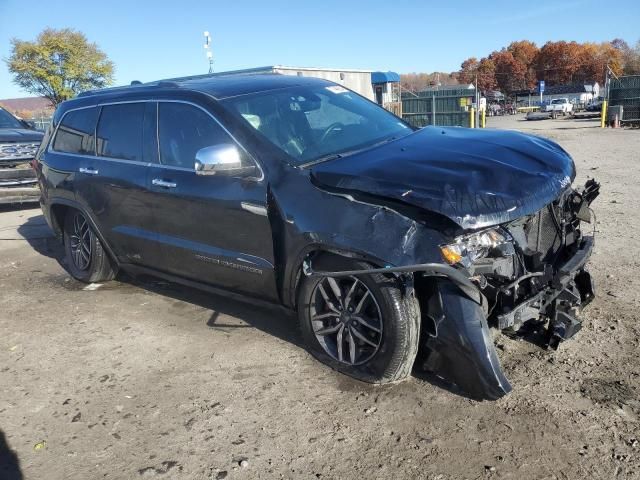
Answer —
329 129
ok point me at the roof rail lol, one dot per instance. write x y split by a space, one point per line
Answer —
167 83
134 84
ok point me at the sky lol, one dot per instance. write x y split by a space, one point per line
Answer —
149 40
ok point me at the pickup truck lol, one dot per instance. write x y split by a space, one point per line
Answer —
19 141
560 105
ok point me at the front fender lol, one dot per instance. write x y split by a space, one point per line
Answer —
459 347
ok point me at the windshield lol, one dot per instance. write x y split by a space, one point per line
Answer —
559 101
8 121
313 123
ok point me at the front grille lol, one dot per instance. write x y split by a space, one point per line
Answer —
550 233
18 151
543 237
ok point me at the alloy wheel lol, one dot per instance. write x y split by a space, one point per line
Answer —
346 319
80 242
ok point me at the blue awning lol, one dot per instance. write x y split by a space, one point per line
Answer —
384 77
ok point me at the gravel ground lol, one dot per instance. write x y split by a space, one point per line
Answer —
140 378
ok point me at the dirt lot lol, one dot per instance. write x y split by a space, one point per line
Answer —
142 378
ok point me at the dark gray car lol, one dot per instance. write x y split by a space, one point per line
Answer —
19 141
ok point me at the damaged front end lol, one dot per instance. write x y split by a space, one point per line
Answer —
532 269
528 270
517 239
541 272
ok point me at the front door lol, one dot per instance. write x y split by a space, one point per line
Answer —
212 229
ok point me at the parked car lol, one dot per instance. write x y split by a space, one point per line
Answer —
19 142
387 240
560 105
594 106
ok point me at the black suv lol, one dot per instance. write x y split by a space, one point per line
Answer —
390 242
19 142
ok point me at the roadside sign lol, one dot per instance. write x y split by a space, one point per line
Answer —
541 86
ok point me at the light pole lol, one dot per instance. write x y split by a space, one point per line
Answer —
477 112
207 49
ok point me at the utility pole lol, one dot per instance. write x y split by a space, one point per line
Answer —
207 49
477 122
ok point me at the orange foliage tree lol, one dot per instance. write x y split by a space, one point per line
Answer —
521 64
484 70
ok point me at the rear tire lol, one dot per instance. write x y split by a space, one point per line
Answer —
380 324
86 258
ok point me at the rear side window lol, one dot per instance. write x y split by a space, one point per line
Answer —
120 131
183 130
76 132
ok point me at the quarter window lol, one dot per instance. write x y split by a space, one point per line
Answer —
120 131
183 130
76 132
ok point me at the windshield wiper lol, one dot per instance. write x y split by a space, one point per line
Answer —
335 156
326 158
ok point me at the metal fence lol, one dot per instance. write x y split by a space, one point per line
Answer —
42 123
625 91
448 107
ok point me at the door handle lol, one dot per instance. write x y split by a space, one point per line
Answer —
88 171
163 183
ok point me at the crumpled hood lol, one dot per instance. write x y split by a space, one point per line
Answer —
19 135
476 178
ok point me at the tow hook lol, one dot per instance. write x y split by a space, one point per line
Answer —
564 323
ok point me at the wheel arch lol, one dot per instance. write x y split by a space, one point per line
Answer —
318 253
59 208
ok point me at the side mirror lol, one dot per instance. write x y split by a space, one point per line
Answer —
221 159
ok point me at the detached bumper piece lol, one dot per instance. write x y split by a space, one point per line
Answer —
571 289
459 348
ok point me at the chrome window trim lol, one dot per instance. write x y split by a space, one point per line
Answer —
99 105
97 157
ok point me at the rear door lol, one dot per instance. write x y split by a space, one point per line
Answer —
113 183
212 229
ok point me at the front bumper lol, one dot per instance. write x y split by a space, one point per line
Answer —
18 185
460 347
572 287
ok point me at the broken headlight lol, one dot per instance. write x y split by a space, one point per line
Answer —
466 249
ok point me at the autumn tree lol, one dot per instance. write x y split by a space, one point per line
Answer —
557 62
630 57
525 52
59 65
484 70
510 74
593 60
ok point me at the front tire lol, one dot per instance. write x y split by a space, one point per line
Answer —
363 326
86 258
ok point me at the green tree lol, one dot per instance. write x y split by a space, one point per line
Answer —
59 65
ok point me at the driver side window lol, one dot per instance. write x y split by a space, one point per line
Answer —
183 130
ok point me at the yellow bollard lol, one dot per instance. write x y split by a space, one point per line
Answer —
603 114
472 117
483 120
